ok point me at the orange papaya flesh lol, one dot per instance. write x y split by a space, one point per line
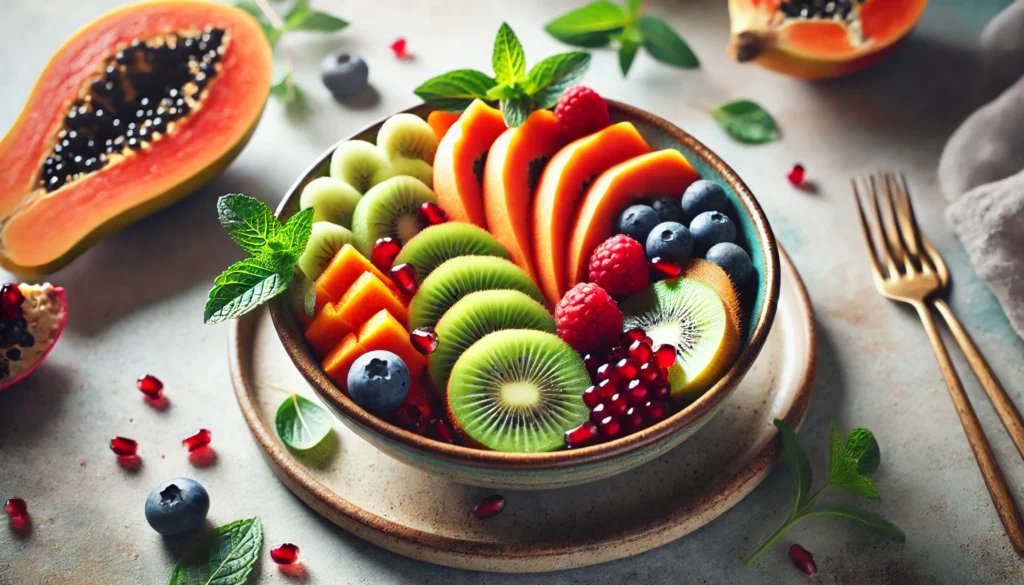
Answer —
345 268
441 121
327 329
44 229
380 332
664 172
459 163
366 296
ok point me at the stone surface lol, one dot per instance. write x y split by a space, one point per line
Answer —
136 302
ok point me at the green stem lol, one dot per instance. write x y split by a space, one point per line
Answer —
797 515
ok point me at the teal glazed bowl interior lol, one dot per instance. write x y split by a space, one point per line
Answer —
568 467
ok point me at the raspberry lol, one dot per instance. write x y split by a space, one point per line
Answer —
619 266
588 319
580 111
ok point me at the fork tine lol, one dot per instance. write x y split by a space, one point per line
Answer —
910 226
886 251
876 267
893 231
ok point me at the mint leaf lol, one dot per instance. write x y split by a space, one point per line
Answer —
293 98
455 90
796 460
869 519
273 34
301 423
549 78
316 21
746 121
295 233
589 26
516 110
248 284
629 44
634 7
862 447
664 44
224 557
249 221
508 58
505 91
843 464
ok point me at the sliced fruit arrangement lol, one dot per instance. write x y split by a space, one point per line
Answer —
32 317
135 111
461 159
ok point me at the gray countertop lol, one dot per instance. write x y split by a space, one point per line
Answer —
136 301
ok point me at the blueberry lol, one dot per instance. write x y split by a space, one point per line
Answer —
710 228
177 507
703 196
668 209
344 74
378 381
734 260
671 240
637 221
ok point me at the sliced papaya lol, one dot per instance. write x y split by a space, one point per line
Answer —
327 329
135 111
440 122
367 295
664 172
459 162
346 267
513 169
562 185
381 332
819 40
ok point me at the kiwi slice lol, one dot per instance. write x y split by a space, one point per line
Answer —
357 162
324 242
518 390
409 136
478 314
389 210
412 167
692 317
439 243
460 276
332 200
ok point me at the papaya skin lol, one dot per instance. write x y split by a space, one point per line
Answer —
41 231
458 191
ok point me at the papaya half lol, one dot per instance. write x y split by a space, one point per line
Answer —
819 40
135 111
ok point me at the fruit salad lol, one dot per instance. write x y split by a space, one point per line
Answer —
529 289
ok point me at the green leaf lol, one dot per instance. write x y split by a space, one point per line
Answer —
506 91
273 34
629 44
455 90
796 460
249 221
516 110
747 122
248 284
508 58
316 21
549 78
869 519
664 44
634 7
843 464
289 93
224 557
295 233
589 26
862 447
302 423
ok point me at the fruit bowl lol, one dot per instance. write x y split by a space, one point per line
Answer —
563 468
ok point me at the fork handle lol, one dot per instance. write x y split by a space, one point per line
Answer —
1005 506
1001 401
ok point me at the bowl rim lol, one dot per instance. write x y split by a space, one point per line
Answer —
294 343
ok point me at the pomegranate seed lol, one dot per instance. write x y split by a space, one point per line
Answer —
489 506
408 415
617 353
654 411
17 510
649 372
634 334
424 339
649 341
616 405
404 276
285 554
581 435
438 430
627 369
598 413
606 388
664 269
430 214
660 390
151 386
796 177
591 361
802 559
605 372
124 446
400 49
197 441
384 252
632 420
609 427
665 356
10 302
637 392
640 351
591 397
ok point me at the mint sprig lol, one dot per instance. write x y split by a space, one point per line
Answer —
275 250
600 23
225 556
517 91
851 459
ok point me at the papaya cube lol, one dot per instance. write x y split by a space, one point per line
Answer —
322 298
327 329
339 360
343 271
368 295
384 331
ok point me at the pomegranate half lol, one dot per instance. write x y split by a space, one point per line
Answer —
32 317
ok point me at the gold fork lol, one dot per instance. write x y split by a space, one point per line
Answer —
902 273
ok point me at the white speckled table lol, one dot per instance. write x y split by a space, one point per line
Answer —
136 303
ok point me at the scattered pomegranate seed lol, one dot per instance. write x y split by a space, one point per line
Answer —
200 439
664 269
151 386
10 302
796 175
384 252
16 508
609 427
631 335
285 554
439 430
665 356
627 369
124 446
581 435
424 339
591 397
400 49
489 506
430 214
640 351
404 276
802 559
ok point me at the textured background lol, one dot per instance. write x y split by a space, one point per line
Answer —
136 302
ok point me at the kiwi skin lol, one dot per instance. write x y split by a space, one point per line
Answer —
476 315
438 243
389 209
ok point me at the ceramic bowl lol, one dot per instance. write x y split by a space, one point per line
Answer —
562 468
